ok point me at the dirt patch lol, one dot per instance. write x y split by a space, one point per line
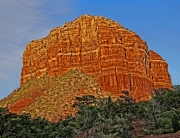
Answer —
20 105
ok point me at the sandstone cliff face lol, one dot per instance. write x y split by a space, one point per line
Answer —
118 58
159 69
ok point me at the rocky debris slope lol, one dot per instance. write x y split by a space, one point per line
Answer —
52 98
117 57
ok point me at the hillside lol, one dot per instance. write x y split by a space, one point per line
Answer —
52 98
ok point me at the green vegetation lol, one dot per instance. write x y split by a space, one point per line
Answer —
176 87
101 118
104 118
21 126
161 114
95 118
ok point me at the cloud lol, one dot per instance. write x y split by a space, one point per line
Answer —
59 8
17 20
22 21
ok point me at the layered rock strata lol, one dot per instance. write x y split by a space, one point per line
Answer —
117 57
159 69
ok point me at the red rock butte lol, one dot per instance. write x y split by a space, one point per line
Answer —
117 57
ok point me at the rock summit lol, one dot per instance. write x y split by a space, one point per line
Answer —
117 57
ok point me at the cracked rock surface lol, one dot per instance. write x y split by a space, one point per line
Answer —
117 57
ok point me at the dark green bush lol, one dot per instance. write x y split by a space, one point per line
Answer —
101 118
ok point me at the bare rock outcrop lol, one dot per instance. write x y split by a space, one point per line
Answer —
117 57
159 69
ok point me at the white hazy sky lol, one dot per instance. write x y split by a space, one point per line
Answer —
157 22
